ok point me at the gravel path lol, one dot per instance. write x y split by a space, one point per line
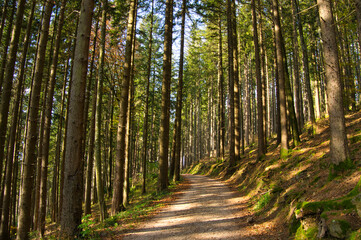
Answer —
206 210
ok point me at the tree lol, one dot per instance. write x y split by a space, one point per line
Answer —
73 175
178 120
24 219
167 76
261 142
98 116
146 108
123 110
281 79
339 153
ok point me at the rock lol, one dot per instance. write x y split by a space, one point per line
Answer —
339 229
250 220
322 228
357 202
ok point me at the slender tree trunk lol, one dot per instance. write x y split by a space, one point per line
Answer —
73 174
6 45
358 15
121 132
90 155
178 125
146 109
281 79
24 219
5 213
261 142
231 84
221 92
165 106
306 70
339 153
98 116
3 18
47 123
5 92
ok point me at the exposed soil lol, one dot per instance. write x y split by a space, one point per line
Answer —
208 209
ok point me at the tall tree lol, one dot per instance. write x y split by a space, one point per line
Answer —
260 129
165 105
98 116
178 120
47 122
281 79
146 108
73 174
4 224
8 79
221 91
24 218
339 152
123 110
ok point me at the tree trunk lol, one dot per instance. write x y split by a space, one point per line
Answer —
121 132
98 116
73 174
306 70
261 142
221 92
231 85
24 219
358 15
146 108
178 125
5 213
339 153
165 105
47 123
282 80
5 92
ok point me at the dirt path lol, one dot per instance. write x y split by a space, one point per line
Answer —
207 210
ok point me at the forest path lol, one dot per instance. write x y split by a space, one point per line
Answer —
208 209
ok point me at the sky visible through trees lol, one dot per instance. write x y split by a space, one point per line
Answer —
98 98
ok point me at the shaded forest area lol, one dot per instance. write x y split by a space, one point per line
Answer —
100 99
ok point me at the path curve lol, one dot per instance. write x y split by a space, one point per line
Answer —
206 210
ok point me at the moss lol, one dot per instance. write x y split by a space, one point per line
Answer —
284 153
309 208
315 180
336 170
355 235
263 201
294 226
345 226
310 234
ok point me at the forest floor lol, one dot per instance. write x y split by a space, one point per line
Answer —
256 199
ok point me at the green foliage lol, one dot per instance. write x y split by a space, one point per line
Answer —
355 235
263 201
87 230
310 234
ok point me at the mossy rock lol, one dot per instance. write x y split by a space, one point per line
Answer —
339 228
308 229
312 208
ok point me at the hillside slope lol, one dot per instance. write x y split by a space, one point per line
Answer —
297 197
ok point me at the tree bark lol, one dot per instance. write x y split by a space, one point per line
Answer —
146 108
98 117
24 219
281 79
5 213
261 142
121 132
165 105
178 125
339 152
73 174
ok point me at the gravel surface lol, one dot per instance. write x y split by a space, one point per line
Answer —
207 210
